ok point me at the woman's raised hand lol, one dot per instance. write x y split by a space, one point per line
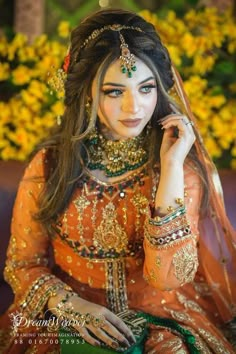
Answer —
178 138
95 324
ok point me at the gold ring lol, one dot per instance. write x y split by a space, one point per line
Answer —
98 322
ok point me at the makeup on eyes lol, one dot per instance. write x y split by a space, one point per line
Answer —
119 89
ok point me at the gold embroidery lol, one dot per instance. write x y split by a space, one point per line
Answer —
157 337
94 212
109 234
185 261
202 288
158 261
69 259
179 316
213 342
140 202
151 277
200 344
167 245
32 350
116 292
81 204
124 209
174 345
189 304
27 230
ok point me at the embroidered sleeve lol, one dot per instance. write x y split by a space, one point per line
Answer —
170 242
27 268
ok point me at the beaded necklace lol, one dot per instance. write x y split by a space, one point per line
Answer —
118 156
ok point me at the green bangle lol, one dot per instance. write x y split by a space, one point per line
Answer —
165 219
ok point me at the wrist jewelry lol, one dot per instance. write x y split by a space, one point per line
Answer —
159 221
66 309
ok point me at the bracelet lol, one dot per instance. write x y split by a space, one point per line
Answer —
63 305
175 235
171 226
159 221
66 309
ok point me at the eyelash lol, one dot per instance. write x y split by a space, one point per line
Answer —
150 86
114 92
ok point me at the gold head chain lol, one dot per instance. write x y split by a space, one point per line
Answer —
56 81
127 59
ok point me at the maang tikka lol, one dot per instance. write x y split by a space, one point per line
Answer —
127 58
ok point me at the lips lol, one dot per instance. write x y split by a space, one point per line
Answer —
131 123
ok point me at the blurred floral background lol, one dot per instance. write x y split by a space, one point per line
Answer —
201 40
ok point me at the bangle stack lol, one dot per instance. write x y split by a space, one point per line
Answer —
37 296
162 231
159 221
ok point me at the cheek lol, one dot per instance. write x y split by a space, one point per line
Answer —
151 104
109 110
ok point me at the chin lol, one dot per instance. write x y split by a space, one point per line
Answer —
130 133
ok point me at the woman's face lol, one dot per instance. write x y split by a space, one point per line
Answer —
126 104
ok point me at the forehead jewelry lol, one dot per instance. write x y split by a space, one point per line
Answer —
127 59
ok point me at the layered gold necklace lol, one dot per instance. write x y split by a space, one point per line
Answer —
116 157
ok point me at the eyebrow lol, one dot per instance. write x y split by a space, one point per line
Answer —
120 85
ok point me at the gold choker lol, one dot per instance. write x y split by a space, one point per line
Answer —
116 157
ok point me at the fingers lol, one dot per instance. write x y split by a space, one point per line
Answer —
120 325
177 120
112 331
84 333
107 335
119 336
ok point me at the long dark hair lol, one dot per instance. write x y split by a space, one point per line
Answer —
65 149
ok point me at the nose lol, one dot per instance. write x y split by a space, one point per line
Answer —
130 103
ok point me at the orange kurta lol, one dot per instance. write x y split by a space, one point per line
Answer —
101 252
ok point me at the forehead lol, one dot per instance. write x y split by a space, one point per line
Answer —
114 74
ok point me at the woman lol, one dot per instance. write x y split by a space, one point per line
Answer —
125 195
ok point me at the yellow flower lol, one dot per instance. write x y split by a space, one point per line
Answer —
149 16
203 64
27 54
4 71
9 153
212 147
189 44
19 41
232 46
233 164
195 85
45 66
233 151
40 41
5 113
64 29
38 89
26 115
58 108
21 75
175 55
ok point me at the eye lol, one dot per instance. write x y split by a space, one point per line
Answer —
147 88
112 92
